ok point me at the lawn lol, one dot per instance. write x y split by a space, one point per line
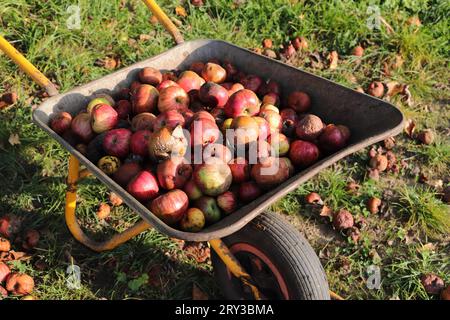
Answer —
406 44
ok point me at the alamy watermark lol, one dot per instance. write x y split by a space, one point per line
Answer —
73 22
374 277
73 280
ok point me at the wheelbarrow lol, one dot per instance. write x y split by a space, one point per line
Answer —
256 254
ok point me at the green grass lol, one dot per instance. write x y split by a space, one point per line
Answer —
32 174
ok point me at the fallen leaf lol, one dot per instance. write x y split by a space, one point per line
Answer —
154 20
398 62
181 12
414 21
108 63
427 247
326 212
198 251
14 256
144 37
410 127
198 294
333 60
316 60
407 96
14 139
393 88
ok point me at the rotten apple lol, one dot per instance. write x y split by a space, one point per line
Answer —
173 173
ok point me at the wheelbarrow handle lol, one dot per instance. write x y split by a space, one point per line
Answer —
27 67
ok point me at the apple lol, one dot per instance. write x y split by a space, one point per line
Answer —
81 126
204 132
219 115
133 87
173 98
192 190
230 69
143 121
299 101
123 94
289 119
139 142
144 99
109 164
117 142
309 128
171 206
240 169
61 122
210 209
165 143
216 151
261 148
242 103
4 272
213 95
263 126
197 67
270 86
150 76
235 87
203 115
279 143
213 178
246 130
103 118
333 138
96 101
188 115
271 98
166 84
169 75
270 173
123 108
126 172
249 191
189 80
345 132
268 106
70 137
227 202
303 153
226 124
273 119
143 186
193 220
214 72
169 119
173 173
252 82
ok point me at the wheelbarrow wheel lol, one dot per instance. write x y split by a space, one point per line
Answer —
280 261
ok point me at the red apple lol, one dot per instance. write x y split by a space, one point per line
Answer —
192 190
4 272
230 69
279 143
173 98
144 99
240 169
219 115
249 191
169 119
213 95
203 115
81 126
197 67
169 75
133 87
271 172
150 75
273 119
209 207
117 142
139 142
171 206
299 101
332 138
166 84
309 127
214 72
173 173
213 178
189 81
103 118
252 82
264 128
270 86
188 116
123 108
246 130
227 202
204 132
242 103
61 122
143 121
216 151
268 106
126 172
271 98
143 186
303 153
289 119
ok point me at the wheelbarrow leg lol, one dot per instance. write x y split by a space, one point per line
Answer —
234 266
73 225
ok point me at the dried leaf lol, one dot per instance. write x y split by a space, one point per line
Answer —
410 127
393 88
108 63
181 12
14 139
326 212
316 60
14 256
398 62
389 29
198 251
144 37
198 294
333 59
154 20
407 96
427 247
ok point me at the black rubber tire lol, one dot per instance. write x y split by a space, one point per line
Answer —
287 249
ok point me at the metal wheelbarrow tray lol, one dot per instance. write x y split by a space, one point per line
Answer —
369 119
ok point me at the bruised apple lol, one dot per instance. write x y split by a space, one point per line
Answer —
150 75
213 95
240 169
126 172
299 101
103 118
61 122
270 172
213 178
169 119
165 143
204 132
143 121
144 99
143 186
309 127
171 206
173 173
193 220
81 126
289 120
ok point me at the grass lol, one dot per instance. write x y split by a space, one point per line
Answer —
32 173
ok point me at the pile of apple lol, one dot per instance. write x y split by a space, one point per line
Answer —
194 146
